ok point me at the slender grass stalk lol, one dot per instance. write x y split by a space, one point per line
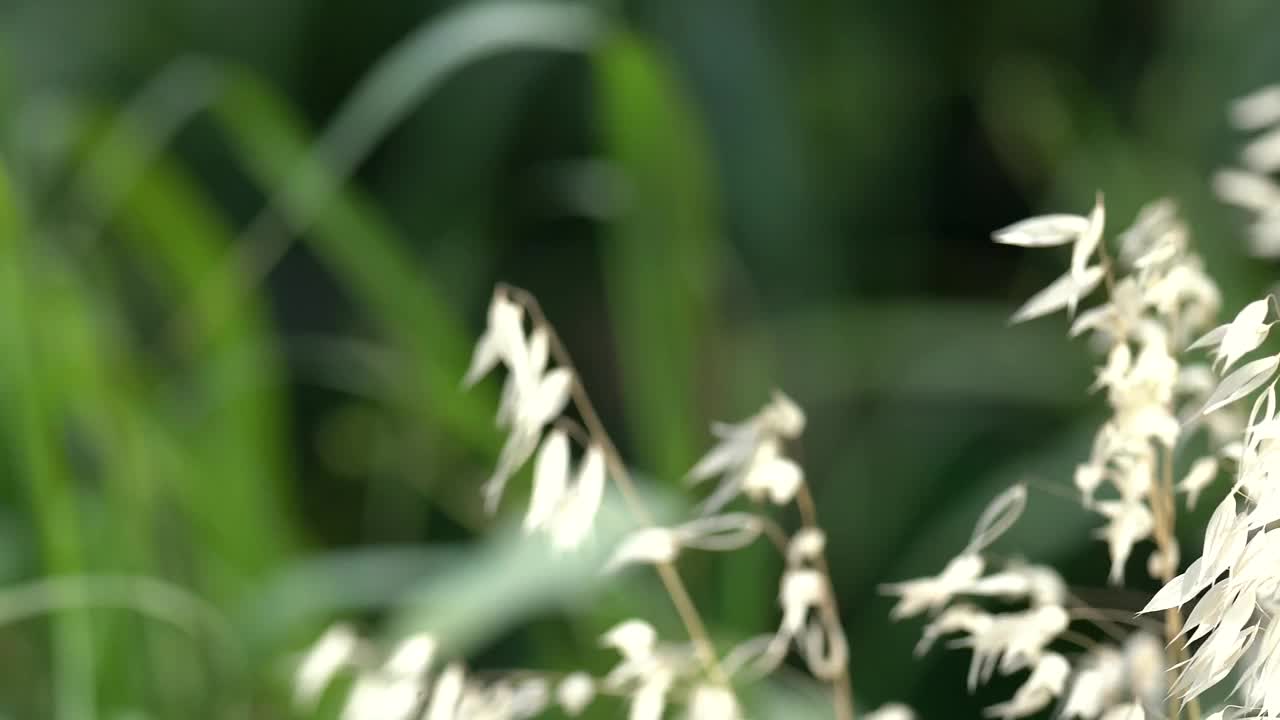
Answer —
1166 540
1164 511
404 77
842 684
669 575
49 485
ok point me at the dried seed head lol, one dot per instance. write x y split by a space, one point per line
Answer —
575 692
806 546
334 650
713 702
651 545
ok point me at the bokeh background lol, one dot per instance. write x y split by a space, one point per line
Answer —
246 248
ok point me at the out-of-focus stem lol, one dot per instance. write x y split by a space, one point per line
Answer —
667 572
1164 503
1164 510
842 684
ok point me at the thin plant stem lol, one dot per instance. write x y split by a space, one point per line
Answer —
1164 504
1108 266
671 580
777 536
1080 640
842 684
1165 513
1107 619
1173 616
1164 509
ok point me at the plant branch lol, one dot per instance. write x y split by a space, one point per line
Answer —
671 580
1164 502
842 684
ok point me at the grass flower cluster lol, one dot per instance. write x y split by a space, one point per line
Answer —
1177 388
1252 186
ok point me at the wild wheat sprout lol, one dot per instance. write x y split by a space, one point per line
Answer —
1238 571
1158 299
1014 617
1253 187
751 462
1157 296
1237 576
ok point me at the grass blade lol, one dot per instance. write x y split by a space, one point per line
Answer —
658 259
43 462
364 253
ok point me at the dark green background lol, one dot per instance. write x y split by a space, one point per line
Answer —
711 198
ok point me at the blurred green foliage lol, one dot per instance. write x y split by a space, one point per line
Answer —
244 249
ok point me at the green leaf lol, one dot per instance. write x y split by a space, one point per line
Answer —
418 65
364 252
31 418
660 252
222 399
